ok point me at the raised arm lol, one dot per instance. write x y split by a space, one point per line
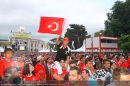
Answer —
58 40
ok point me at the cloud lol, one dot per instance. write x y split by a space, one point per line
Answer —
91 13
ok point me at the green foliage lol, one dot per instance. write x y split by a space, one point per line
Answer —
124 42
52 43
76 33
118 21
118 24
98 33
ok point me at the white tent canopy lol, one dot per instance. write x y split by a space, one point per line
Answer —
44 50
81 49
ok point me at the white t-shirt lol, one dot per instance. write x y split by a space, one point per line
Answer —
57 66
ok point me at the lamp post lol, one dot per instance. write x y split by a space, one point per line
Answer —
100 44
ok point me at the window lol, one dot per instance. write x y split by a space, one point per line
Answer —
108 41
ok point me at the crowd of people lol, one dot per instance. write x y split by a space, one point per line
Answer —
64 68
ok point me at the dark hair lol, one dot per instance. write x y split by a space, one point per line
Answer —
16 80
26 70
99 65
112 62
66 77
34 61
74 62
62 59
97 58
88 60
118 71
82 57
77 69
87 72
49 57
106 60
8 49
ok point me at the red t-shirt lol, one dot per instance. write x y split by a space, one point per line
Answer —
40 71
30 78
128 61
124 64
64 72
4 65
53 70
81 65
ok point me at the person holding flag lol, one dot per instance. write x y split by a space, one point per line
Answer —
63 50
63 53
54 25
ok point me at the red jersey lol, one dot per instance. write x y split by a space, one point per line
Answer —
4 65
81 65
128 61
40 71
53 70
30 78
124 64
64 72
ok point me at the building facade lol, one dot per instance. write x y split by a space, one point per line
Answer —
23 41
101 44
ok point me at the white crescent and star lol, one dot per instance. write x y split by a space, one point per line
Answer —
54 29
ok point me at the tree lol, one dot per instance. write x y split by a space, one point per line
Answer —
124 42
98 33
76 34
118 21
52 43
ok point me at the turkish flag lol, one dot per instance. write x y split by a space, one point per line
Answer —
52 25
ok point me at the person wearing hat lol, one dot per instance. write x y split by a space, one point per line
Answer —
39 68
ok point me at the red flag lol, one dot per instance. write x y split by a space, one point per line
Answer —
51 25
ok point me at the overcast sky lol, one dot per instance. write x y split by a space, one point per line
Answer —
27 13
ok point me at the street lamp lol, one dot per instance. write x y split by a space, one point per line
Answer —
100 44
